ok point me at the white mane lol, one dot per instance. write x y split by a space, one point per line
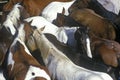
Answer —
60 66
12 19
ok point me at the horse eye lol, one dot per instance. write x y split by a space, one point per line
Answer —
8 29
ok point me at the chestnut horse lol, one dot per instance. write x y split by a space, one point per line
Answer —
19 63
52 56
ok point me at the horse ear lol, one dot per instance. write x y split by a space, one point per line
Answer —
42 28
63 11
30 22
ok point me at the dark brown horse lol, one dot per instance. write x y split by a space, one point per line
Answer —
94 5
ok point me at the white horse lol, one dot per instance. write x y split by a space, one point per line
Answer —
51 10
60 66
39 21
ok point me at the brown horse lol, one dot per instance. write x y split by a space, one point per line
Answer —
94 5
97 24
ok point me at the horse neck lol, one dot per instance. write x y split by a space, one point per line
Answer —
46 46
43 44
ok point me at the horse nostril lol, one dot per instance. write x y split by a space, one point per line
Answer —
33 73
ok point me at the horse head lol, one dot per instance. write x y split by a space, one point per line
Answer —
83 40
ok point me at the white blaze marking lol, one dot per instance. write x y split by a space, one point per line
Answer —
88 48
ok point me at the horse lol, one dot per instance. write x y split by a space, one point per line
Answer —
97 24
34 8
39 21
9 27
19 63
94 5
82 38
78 58
54 59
